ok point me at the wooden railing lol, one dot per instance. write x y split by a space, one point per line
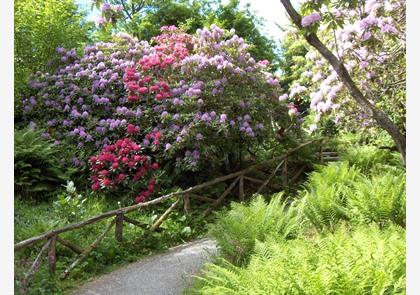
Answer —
118 216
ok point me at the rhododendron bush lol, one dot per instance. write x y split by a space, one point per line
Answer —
368 37
191 100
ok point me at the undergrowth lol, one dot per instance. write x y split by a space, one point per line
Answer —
34 218
364 260
340 192
238 229
37 169
343 234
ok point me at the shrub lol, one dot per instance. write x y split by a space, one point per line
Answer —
79 104
365 261
205 93
40 27
237 230
38 171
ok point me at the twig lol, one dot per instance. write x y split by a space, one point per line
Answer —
88 249
241 188
35 266
135 222
270 177
219 200
70 245
164 215
119 225
52 255
202 198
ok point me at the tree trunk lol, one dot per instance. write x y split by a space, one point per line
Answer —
381 118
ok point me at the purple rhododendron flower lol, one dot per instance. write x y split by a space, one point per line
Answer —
206 117
310 19
196 154
105 7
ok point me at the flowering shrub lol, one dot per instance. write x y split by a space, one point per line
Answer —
370 41
219 102
194 99
83 103
123 163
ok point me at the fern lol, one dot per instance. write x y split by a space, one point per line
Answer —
325 196
344 235
38 171
237 230
380 199
339 193
367 260
369 158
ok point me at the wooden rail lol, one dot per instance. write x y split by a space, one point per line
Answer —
119 215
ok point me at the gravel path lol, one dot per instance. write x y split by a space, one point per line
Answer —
164 274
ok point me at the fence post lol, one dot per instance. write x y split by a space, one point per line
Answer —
284 172
241 188
52 255
321 149
119 222
186 198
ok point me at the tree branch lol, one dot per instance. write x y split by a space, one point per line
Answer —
126 10
381 118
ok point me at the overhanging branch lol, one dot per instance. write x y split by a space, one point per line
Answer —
381 118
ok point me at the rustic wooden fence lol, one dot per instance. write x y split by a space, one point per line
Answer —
119 216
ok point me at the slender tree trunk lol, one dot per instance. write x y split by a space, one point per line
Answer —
381 117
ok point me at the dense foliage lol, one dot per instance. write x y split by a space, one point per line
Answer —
37 167
344 234
340 192
238 229
39 28
225 102
366 260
